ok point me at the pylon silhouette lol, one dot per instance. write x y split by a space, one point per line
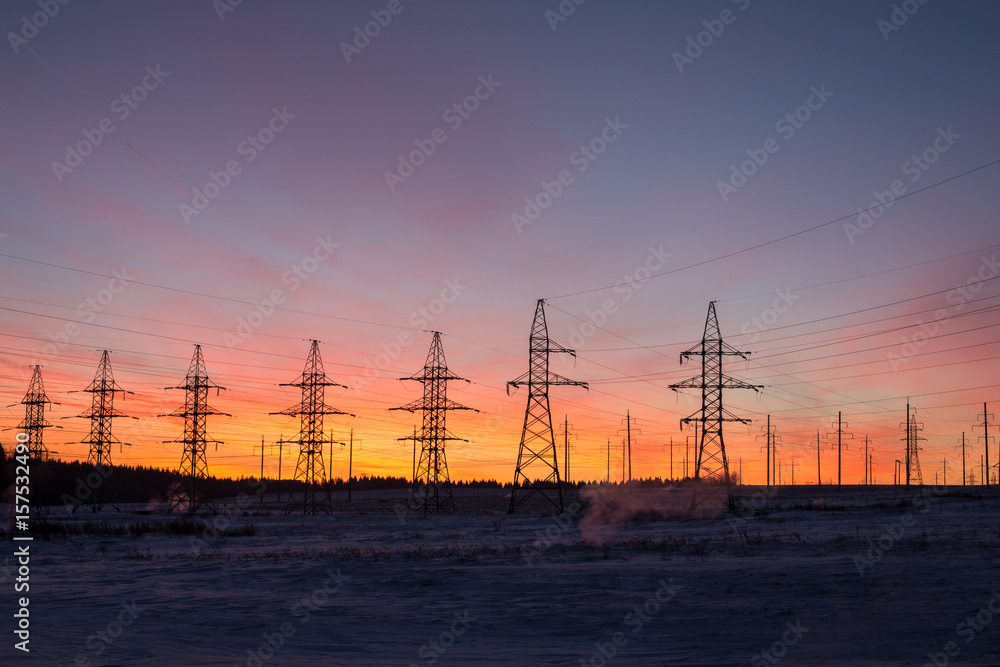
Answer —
101 414
538 448
34 422
189 497
710 454
311 438
913 428
432 492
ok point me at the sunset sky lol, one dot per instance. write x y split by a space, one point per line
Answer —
252 179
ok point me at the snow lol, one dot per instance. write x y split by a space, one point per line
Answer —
366 587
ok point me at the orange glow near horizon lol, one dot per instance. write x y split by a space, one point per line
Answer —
494 433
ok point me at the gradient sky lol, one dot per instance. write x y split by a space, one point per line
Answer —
851 299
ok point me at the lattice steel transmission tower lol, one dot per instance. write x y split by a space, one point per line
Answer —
710 454
34 422
311 438
101 414
432 491
194 465
913 429
538 447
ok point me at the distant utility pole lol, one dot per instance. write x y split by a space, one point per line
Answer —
963 458
261 469
281 448
350 463
819 469
609 460
772 453
840 444
985 425
687 446
627 446
867 482
566 434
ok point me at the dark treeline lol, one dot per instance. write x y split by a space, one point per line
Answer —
56 482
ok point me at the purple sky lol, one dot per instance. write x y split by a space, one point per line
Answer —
312 219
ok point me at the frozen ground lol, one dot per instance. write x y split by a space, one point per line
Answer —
366 587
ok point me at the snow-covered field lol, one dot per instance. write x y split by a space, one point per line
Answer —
808 576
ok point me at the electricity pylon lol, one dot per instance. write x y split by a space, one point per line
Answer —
710 456
34 421
311 438
913 428
538 447
101 414
432 492
194 465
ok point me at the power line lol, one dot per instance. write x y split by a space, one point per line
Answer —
133 281
786 236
